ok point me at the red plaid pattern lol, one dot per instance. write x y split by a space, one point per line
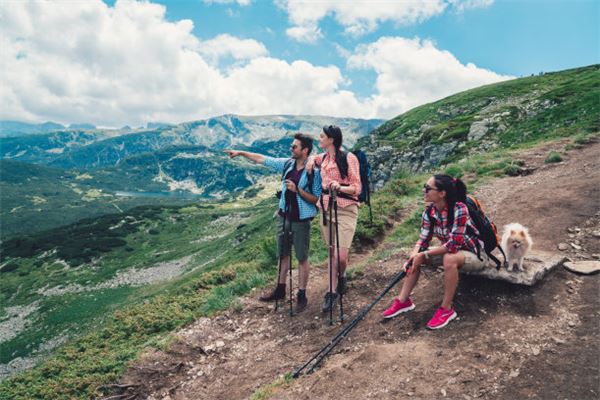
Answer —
454 239
330 172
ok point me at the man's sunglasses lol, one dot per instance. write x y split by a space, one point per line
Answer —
427 188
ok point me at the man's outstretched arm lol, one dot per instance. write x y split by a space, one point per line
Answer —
257 158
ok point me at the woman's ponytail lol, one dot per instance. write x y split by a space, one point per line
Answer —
455 189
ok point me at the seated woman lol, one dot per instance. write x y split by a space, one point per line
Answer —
460 246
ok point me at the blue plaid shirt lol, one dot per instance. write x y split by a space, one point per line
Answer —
307 210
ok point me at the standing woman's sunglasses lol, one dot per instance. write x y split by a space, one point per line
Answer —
427 188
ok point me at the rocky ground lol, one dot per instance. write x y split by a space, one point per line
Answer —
510 341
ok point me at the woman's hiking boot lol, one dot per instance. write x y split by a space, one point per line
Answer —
330 300
301 301
277 294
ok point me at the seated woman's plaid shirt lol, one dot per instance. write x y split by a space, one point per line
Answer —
455 239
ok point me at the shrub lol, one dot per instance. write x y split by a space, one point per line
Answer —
512 170
454 170
553 157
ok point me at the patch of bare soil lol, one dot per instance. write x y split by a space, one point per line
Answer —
509 341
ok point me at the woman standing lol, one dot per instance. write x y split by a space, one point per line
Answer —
340 173
448 219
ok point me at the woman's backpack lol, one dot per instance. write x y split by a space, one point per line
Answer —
488 233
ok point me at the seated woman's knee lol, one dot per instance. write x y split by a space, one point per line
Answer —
451 261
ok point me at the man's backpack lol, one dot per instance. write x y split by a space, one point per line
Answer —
488 233
365 174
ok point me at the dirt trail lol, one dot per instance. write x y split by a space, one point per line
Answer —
509 341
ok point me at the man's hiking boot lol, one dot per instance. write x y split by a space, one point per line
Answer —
301 302
330 300
342 285
441 318
277 294
398 308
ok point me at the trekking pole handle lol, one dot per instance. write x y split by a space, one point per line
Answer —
332 192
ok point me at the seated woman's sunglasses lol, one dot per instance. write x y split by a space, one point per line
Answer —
427 188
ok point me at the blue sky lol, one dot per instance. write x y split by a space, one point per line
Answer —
127 62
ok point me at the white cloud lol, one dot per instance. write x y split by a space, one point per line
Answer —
306 34
240 2
462 5
411 72
362 16
111 66
88 62
227 45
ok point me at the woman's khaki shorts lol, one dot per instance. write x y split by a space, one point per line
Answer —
472 263
347 217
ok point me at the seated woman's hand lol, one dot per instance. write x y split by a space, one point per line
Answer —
417 260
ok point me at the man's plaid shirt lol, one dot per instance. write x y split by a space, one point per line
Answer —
306 209
454 239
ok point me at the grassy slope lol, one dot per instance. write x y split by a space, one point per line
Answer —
536 108
98 356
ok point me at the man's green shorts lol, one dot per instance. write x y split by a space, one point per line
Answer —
300 238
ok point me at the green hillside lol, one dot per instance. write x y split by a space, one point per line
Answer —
503 115
172 176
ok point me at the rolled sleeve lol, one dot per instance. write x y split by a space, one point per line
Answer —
425 234
459 228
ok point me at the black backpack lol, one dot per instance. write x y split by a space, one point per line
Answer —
488 233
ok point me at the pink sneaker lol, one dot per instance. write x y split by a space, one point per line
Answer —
441 318
398 308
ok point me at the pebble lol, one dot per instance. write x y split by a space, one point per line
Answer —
536 351
575 246
563 246
514 373
572 324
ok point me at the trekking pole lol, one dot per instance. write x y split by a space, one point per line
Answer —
321 354
337 248
290 241
279 256
330 252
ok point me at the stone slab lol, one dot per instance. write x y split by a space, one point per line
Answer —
583 267
537 264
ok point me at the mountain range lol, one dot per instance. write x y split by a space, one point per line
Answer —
90 172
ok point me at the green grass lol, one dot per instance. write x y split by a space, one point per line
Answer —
553 157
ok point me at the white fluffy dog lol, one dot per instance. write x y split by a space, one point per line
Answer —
516 242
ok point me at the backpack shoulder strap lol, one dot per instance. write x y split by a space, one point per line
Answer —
286 166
